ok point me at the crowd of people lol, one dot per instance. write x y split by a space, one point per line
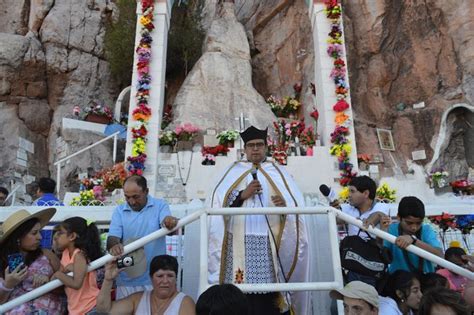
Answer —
256 249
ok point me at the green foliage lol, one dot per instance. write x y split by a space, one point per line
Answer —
185 37
120 41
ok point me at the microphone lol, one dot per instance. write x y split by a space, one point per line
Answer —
328 192
254 172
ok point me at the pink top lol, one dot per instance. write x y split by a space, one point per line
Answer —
48 303
84 299
456 282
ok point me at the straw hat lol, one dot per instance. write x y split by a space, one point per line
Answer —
20 217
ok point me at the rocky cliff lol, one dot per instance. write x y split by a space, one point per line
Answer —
51 58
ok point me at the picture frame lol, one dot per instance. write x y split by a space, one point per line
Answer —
385 139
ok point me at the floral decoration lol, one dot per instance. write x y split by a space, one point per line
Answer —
95 108
215 150
142 113
462 187
465 223
344 194
438 178
307 136
87 198
283 107
444 222
167 137
385 193
227 136
341 146
186 132
108 179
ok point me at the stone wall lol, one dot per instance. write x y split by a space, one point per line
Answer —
51 59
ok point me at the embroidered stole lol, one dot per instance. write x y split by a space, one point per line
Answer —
238 230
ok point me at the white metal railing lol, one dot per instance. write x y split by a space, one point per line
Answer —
12 194
203 213
118 103
67 158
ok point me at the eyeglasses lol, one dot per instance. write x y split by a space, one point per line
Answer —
257 145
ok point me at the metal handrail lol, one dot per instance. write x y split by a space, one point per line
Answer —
203 213
12 195
67 158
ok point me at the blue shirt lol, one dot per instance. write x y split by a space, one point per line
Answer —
127 224
48 199
428 236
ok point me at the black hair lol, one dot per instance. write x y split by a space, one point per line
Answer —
222 299
11 245
87 237
432 280
164 262
139 180
400 280
411 206
363 183
446 297
47 185
4 191
454 251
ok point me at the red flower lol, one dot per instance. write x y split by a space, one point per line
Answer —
341 106
315 114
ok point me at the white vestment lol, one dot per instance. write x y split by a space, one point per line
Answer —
289 231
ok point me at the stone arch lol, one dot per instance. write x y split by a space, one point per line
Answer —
454 150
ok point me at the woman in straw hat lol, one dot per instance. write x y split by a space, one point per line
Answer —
20 234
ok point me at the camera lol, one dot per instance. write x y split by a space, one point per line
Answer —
126 261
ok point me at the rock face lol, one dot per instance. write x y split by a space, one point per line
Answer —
219 87
51 59
281 44
407 52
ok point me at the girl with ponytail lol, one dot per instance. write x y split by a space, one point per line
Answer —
80 242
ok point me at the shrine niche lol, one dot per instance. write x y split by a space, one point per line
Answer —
456 150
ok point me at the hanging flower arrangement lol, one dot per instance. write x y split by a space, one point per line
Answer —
142 113
341 147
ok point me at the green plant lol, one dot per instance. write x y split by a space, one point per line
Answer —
167 137
119 42
185 37
227 136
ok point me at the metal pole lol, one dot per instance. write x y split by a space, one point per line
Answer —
203 263
114 153
333 240
58 178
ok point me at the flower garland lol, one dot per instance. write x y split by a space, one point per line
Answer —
341 146
142 113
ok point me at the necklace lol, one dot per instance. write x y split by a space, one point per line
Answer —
184 182
159 306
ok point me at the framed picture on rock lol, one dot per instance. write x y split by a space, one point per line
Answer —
385 139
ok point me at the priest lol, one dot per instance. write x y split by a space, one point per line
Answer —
259 248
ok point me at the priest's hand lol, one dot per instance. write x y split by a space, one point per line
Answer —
253 188
278 201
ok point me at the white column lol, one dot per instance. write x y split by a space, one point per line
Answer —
325 87
162 14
